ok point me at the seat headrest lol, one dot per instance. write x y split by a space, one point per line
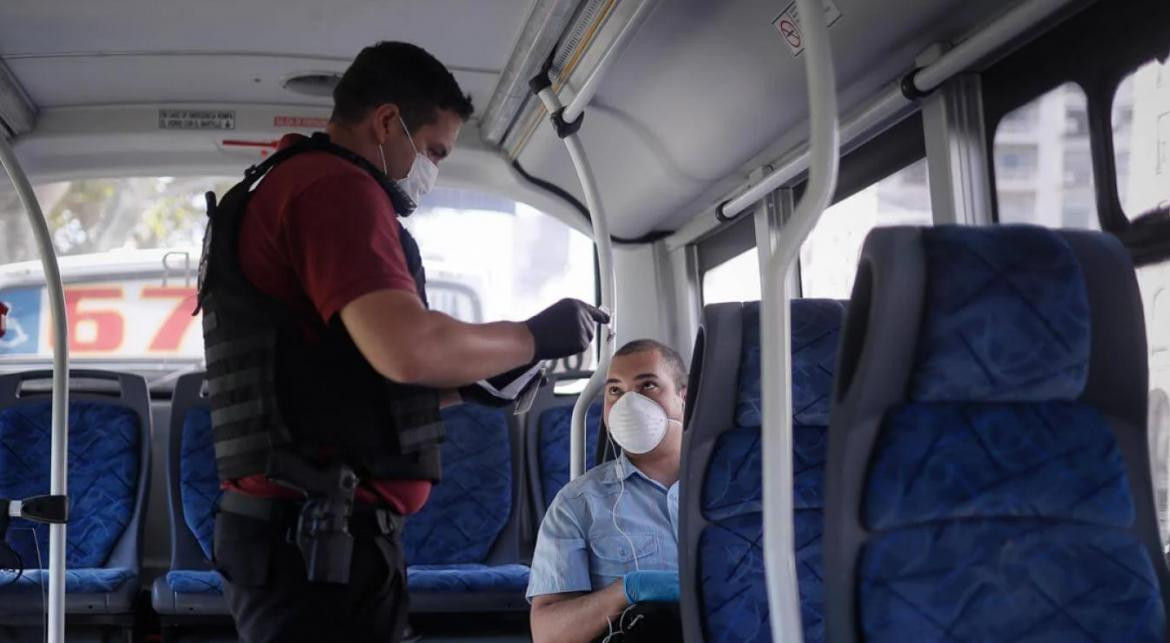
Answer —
816 326
1005 317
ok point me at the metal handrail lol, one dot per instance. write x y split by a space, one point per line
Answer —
59 448
776 388
604 246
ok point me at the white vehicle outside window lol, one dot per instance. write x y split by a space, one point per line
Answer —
130 248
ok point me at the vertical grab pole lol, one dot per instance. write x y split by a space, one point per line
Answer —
779 530
60 413
568 132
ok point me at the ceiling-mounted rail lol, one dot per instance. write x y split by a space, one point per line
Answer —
898 96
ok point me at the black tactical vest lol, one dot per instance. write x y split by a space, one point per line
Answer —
272 388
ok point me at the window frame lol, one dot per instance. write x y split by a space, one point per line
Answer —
1135 31
899 146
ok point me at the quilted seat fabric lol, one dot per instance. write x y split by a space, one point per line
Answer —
199 487
731 555
77 581
467 511
554 426
195 582
1008 581
104 453
967 460
467 578
1000 506
1001 321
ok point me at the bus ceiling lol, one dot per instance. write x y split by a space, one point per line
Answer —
690 96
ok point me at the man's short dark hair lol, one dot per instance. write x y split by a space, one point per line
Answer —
674 361
403 74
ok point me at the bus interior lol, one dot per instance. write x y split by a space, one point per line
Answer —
996 170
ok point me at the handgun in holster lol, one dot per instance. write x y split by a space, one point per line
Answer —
322 531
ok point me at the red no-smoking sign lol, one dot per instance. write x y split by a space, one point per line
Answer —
788 23
790 32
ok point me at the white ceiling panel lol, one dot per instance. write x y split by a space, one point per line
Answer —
80 52
707 86
104 80
473 33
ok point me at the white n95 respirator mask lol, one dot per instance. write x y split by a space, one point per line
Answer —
637 423
423 171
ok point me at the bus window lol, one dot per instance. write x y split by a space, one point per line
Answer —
1141 139
1141 135
129 250
489 257
1141 142
737 279
1043 162
828 258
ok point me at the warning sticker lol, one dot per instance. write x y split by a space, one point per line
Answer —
200 119
300 122
788 24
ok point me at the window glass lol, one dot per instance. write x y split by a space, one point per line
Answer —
1141 139
508 259
828 258
1154 282
1043 162
737 279
130 249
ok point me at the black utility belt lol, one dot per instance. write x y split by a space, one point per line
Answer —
285 512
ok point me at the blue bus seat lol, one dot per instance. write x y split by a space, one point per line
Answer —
463 547
191 587
988 474
721 520
547 442
108 481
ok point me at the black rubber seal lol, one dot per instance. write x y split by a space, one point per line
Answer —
721 217
909 89
566 129
47 509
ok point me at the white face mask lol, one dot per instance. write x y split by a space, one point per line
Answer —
422 175
637 423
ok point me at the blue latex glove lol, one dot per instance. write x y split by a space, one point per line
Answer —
651 587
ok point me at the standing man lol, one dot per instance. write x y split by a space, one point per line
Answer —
325 366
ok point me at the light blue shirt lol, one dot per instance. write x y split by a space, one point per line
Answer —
579 549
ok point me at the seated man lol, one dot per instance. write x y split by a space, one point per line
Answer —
610 537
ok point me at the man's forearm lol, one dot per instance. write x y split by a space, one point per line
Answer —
459 353
409 344
577 620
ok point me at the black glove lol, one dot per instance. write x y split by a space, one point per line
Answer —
564 328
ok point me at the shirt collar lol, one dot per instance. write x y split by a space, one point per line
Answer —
622 469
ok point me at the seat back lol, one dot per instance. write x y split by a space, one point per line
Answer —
193 489
547 441
108 471
988 472
721 520
469 512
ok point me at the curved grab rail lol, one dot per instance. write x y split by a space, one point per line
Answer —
989 39
60 414
605 271
779 530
